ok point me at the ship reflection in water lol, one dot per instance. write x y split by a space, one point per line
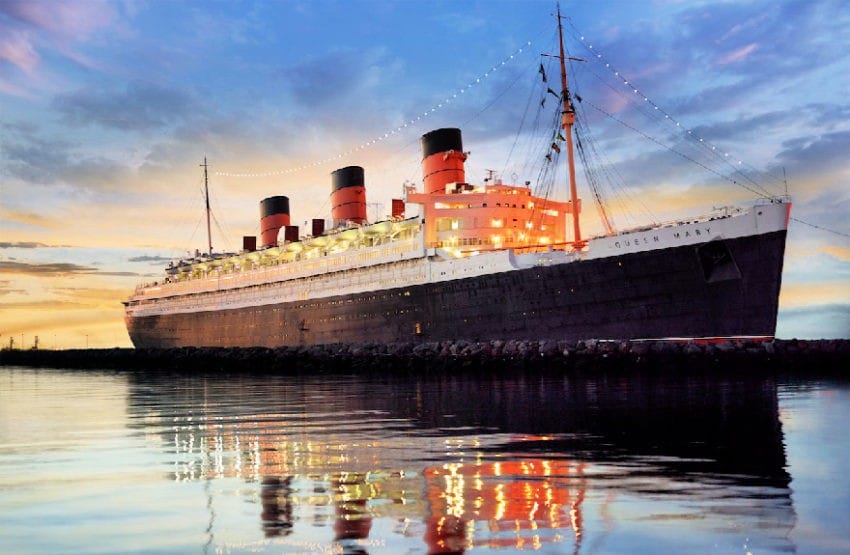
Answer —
448 465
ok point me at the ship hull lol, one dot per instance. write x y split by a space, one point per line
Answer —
720 288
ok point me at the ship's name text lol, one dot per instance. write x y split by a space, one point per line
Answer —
647 240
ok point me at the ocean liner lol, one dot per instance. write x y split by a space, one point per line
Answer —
478 262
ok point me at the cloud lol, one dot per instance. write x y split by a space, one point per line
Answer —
824 321
21 245
760 57
344 76
5 288
151 259
827 265
826 116
124 274
47 269
139 106
842 253
10 291
33 30
71 19
826 152
41 305
752 126
28 156
17 49
60 269
28 218
33 159
737 55
92 296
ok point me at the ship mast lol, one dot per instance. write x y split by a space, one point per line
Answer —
568 117
207 199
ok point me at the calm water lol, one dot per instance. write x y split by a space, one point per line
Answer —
170 463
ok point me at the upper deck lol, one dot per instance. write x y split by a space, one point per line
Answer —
348 249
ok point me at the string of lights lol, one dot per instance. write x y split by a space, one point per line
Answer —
682 154
726 156
384 136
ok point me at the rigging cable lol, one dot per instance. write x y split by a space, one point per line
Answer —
836 232
531 96
591 177
622 195
689 133
225 235
184 220
756 192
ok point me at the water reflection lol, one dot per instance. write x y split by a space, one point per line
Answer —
451 464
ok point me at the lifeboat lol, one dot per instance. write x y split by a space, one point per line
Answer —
318 242
351 234
380 228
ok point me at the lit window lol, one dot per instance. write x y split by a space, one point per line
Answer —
496 223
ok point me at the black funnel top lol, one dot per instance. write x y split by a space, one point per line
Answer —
349 176
441 140
274 205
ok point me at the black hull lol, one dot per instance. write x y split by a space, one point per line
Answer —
725 288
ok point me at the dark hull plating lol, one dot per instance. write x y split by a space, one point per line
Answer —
718 289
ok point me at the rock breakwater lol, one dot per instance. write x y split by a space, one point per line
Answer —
592 356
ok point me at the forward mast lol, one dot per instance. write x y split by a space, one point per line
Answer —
568 118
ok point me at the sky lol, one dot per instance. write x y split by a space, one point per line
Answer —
108 108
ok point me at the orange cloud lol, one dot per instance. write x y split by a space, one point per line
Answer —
806 294
841 253
29 218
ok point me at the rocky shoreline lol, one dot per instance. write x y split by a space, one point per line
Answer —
831 357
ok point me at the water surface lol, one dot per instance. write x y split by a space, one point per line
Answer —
96 462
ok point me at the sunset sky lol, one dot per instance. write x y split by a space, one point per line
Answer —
107 109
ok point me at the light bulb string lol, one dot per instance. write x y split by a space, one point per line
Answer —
384 136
